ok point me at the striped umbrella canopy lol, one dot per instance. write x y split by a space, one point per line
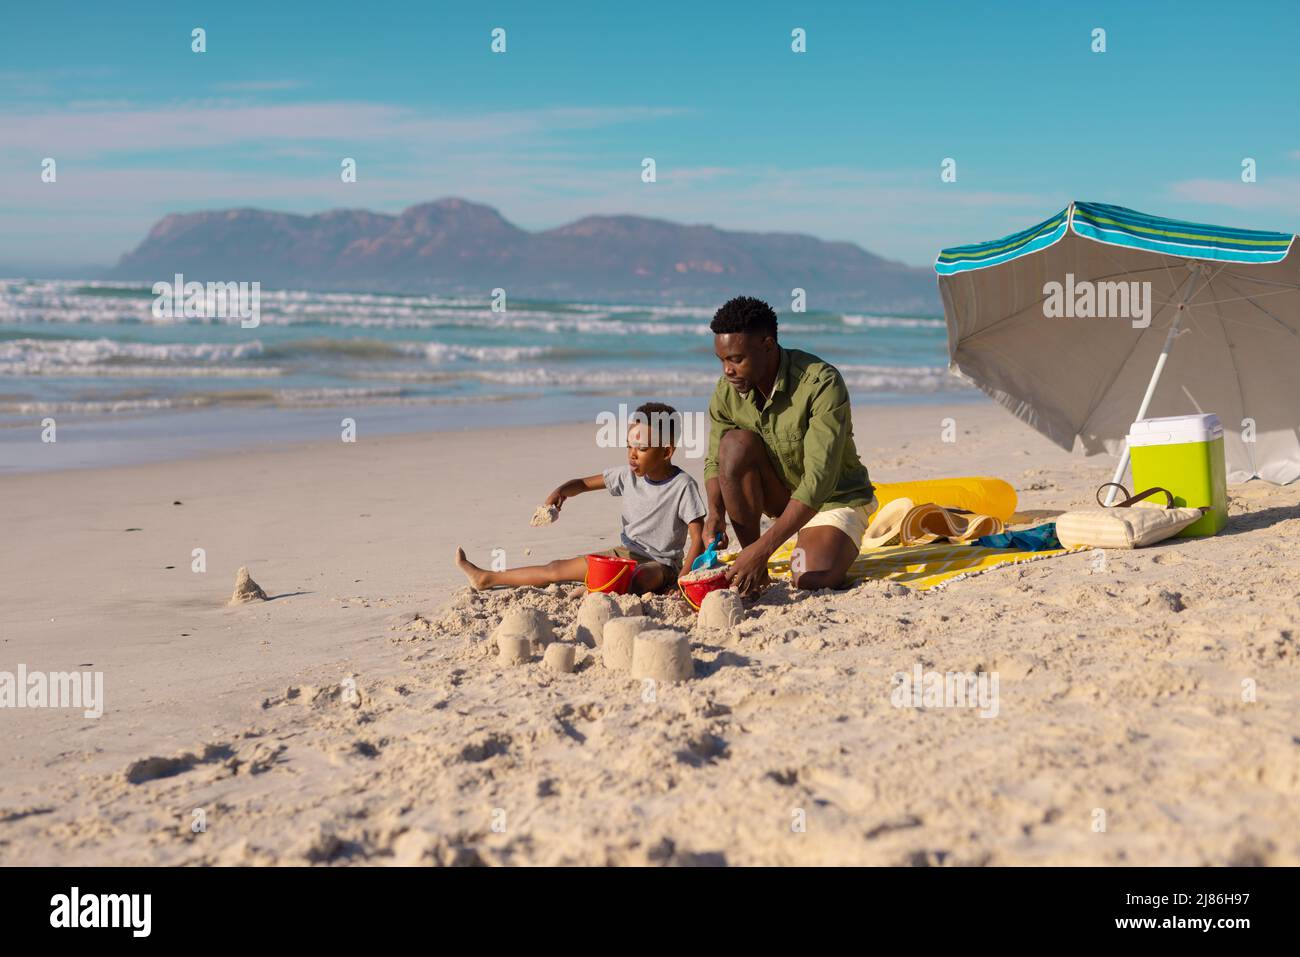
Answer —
1100 316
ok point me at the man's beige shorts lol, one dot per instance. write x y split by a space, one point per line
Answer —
851 521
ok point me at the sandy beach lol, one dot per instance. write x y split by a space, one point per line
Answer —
360 717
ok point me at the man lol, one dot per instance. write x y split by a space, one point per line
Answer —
781 444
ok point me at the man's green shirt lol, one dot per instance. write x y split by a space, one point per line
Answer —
807 428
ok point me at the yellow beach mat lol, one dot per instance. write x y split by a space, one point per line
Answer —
918 566
980 494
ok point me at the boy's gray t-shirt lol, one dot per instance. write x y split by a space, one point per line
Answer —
655 514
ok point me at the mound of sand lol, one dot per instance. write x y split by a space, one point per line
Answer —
616 650
662 654
559 657
246 589
596 609
721 610
521 625
514 649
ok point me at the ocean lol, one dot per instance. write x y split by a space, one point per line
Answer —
94 357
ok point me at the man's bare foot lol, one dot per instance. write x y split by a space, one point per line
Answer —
478 577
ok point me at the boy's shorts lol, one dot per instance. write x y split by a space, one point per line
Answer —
851 521
641 558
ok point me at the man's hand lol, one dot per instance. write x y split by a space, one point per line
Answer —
715 524
748 572
556 498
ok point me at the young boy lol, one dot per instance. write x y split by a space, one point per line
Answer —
662 508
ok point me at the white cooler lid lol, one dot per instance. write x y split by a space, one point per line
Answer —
1175 430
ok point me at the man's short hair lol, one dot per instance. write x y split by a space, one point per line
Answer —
745 314
663 421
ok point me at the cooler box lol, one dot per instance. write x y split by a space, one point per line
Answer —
1183 453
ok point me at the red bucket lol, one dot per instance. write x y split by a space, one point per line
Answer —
695 591
609 574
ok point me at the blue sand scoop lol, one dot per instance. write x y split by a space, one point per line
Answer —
709 557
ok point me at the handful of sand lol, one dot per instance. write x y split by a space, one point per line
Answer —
545 515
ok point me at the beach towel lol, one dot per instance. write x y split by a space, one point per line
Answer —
1040 538
917 566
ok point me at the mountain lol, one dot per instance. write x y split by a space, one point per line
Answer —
452 246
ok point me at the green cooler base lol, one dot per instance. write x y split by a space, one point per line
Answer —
1194 472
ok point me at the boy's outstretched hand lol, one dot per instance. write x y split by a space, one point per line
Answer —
574 487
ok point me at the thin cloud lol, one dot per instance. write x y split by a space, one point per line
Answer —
258 86
203 125
119 167
1273 193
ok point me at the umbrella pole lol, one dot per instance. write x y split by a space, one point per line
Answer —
1151 387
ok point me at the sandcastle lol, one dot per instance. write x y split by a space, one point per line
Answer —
662 654
523 632
246 589
620 633
721 610
545 515
514 649
559 657
595 611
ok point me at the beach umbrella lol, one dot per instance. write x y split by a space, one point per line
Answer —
1101 316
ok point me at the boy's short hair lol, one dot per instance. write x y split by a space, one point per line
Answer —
744 314
660 419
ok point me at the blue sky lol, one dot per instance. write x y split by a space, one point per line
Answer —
842 142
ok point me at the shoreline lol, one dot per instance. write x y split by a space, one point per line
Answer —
127 439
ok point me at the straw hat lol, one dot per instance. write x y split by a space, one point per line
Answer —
887 523
929 523
904 522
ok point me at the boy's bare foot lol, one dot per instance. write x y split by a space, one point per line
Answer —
477 576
